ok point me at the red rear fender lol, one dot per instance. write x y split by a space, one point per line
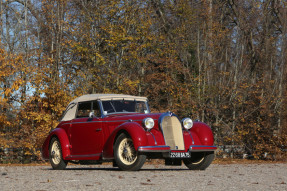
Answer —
64 140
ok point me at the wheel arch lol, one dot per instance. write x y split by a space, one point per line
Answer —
119 133
131 129
62 136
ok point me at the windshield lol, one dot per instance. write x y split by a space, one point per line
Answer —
124 106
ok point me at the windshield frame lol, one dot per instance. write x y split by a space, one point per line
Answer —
106 114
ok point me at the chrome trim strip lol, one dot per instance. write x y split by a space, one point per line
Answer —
160 146
123 113
190 136
104 121
153 138
197 146
201 150
157 148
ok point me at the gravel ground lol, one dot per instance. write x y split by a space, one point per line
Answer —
151 177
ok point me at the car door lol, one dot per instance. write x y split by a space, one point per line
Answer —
86 133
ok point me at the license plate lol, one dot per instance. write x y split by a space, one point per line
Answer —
179 155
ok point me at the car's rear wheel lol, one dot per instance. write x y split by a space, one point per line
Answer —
126 157
55 155
199 161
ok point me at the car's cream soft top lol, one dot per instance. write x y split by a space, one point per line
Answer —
71 112
90 97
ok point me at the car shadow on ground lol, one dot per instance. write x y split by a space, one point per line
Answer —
117 169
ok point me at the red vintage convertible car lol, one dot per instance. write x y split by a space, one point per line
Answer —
98 128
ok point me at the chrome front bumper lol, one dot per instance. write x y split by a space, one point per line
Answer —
164 148
154 149
201 148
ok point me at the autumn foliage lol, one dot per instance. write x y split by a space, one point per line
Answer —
222 62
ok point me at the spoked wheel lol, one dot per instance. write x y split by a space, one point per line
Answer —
125 154
199 161
55 155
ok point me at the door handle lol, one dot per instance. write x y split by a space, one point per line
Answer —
97 130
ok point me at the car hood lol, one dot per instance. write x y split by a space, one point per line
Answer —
131 116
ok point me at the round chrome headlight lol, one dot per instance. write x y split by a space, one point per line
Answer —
148 123
187 123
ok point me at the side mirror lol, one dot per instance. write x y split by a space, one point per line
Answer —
91 114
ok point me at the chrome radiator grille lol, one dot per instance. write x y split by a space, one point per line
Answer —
172 132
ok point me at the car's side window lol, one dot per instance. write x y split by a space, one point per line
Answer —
84 109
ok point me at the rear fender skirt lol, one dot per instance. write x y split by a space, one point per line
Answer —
133 129
64 140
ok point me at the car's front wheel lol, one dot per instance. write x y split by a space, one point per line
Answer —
55 155
199 161
126 157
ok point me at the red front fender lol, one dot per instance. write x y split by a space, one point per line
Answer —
204 134
133 129
64 140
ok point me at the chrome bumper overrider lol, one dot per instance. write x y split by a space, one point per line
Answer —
192 148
